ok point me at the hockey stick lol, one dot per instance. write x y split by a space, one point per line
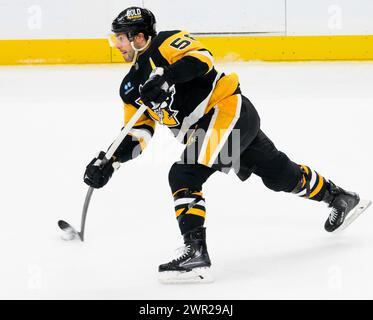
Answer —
71 232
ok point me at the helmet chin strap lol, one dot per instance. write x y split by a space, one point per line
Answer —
137 51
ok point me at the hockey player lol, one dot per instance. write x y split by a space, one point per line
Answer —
173 74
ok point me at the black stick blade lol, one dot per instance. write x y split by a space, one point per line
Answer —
64 225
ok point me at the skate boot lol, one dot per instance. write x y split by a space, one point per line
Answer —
193 264
346 207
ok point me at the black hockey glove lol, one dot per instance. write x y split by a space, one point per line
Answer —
98 174
155 89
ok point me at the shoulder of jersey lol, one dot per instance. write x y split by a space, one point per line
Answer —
163 35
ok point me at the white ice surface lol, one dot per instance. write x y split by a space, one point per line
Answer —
53 119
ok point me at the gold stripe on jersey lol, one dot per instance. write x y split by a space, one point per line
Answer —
129 111
224 88
196 114
178 45
222 122
203 56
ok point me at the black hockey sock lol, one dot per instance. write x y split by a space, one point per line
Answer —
312 184
190 209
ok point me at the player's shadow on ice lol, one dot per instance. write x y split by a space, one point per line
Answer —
285 262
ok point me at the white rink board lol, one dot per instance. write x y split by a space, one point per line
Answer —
329 17
56 19
243 16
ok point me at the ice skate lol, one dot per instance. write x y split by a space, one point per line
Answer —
346 207
193 264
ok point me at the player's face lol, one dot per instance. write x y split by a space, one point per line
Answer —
124 46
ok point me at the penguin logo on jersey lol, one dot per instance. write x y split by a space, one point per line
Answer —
163 113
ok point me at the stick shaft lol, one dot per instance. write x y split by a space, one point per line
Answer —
125 131
84 213
109 154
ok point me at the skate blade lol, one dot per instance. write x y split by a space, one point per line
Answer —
196 275
356 212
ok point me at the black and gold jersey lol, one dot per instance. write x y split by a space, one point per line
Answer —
197 85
